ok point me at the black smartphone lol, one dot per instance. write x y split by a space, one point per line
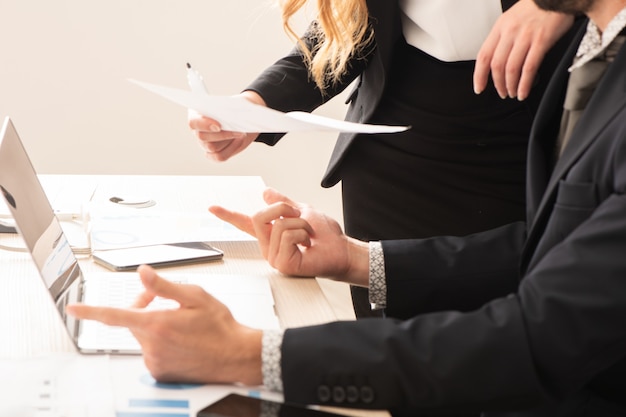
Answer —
128 259
236 405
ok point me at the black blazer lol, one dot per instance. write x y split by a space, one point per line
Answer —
286 86
547 335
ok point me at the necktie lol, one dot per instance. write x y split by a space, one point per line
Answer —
582 83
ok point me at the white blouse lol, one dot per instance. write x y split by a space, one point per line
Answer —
449 30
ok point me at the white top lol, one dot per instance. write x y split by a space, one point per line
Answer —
449 30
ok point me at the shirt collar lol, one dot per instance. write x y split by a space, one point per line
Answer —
595 42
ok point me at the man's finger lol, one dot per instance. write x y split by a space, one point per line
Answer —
239 220
272 196
143 300
108 315
162 287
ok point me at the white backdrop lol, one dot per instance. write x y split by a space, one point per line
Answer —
64 66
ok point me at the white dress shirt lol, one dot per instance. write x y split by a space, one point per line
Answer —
595 41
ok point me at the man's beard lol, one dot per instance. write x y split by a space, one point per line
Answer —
566 6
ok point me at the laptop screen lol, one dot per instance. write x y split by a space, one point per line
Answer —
37 223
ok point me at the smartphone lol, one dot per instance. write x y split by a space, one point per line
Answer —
128 259
235 405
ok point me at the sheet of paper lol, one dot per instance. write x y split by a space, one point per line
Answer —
60 385
239 115
137 394
180 212
248 297
124 228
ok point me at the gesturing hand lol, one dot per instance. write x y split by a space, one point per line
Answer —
299 240
199 341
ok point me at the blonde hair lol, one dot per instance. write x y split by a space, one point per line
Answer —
341 30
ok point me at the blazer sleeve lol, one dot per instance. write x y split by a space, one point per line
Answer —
452 273
563 328
424 362
287 86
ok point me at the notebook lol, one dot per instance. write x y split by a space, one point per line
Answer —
249 297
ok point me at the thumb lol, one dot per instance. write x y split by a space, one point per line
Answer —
157 286
239 220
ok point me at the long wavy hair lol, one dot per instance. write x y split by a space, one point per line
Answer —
341 30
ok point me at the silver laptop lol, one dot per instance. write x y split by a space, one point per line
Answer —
249 298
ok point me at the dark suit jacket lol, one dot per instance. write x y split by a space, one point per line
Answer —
547 336
286 86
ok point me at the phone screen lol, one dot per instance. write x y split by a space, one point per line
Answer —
127 259
235 405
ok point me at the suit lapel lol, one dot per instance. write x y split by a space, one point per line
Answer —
385 19
606 101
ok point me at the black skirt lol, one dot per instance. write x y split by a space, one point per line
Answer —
460 169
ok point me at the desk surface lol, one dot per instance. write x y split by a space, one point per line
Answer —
31 327
28 320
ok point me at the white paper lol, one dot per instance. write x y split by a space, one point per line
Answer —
180 212
59 385
138 394
239 115
112 229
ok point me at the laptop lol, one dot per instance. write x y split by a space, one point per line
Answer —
249 298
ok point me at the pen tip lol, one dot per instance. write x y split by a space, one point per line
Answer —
188 65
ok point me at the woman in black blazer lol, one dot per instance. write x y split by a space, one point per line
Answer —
459 170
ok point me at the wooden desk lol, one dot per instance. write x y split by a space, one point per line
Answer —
30 326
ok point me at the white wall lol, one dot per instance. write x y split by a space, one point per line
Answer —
63 71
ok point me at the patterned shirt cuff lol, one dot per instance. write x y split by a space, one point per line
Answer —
378 283
270 357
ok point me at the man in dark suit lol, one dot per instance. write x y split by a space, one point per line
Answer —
545 329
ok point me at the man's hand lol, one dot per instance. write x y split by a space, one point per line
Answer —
299 240
198 342
218 144
515 47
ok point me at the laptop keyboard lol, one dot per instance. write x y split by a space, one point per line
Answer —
114 290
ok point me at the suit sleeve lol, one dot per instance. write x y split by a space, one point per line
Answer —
564 326
424 362
452 273
286 85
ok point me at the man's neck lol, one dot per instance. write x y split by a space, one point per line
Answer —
603 11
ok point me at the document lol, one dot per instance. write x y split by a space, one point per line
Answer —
137 394
239 115
59 385
178 213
